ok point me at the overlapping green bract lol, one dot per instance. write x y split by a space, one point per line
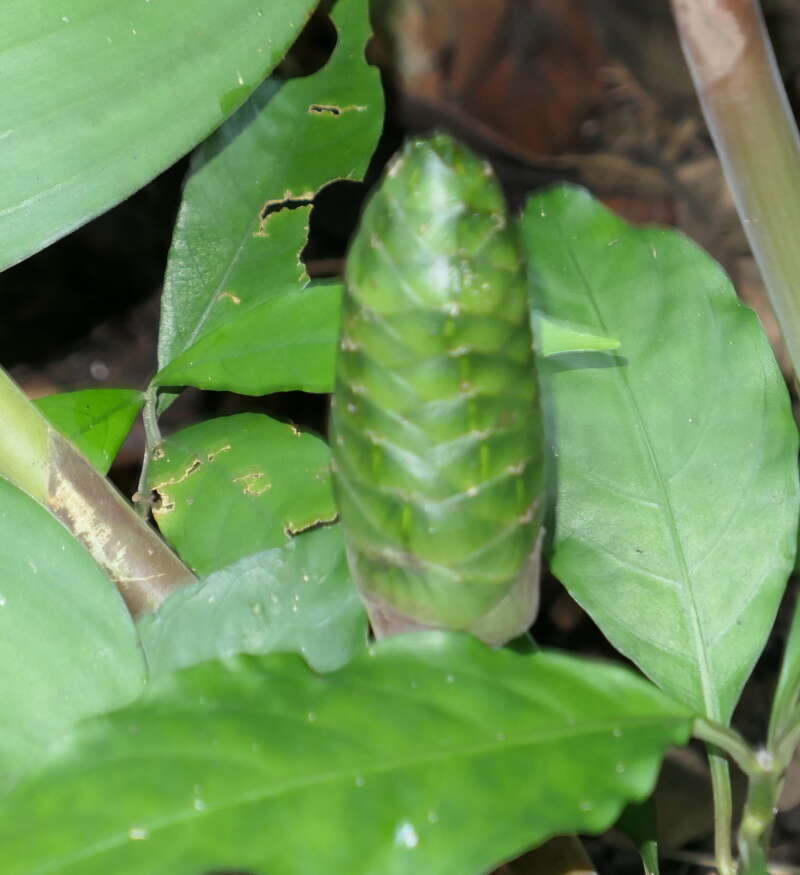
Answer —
436 428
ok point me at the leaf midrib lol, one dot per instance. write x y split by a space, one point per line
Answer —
710 701
263 794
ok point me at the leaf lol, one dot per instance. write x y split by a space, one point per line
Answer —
238 485
675 465
68 648
97 421
128 86
286 342
554 336
234 276
298 597
411 759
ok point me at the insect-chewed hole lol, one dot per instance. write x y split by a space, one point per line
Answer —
312 49
288 203
324 108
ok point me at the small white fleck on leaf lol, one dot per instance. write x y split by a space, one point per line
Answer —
406 836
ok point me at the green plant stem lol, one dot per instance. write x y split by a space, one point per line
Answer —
785 717
786 744
757 820
649 854
152 436
42 463
782 740
731 742
745 105
723 811
764 781
24 441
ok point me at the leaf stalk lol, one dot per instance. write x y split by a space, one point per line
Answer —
723 811
732 743
152 436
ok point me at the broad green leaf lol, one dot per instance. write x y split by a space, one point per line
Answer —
286 342
238 485
97 421
298 597
553 336
429 753
98 97
68 647
675 463
228 258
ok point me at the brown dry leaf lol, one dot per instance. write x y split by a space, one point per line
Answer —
524 71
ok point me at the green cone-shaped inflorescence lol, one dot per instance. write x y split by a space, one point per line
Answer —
436 427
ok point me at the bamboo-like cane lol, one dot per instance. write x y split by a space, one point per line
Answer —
745 105
41 462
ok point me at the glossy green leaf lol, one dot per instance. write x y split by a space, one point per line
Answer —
298 597
286 342
68 647
676 462
411 759
238 485
232 304
99 97
97 421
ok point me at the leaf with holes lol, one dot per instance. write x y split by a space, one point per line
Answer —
129 86
676 463
406 761
97 421
298 597
68 649
235 486
234 277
